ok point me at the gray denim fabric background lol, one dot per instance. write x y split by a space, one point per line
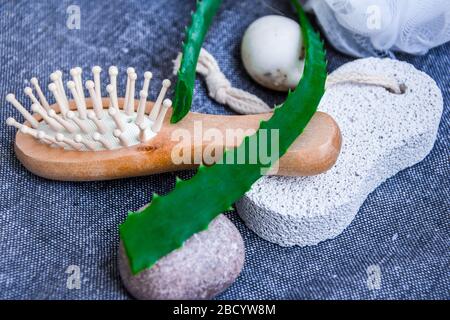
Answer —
45 226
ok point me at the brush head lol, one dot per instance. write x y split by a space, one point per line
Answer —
90 84
148 75
167 103
10 97
54 76
113 71
166 83
80 124
10 121
96 69
28 91
52 87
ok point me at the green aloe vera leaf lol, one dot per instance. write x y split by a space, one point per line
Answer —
188 209
195 34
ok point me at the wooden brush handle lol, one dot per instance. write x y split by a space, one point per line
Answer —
314 152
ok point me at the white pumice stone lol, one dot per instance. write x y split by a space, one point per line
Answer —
271 52
382 132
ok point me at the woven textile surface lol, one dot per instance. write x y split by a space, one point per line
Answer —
402 230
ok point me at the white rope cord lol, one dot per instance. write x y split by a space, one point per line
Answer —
221 90
376 80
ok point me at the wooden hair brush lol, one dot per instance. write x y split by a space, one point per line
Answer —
96 138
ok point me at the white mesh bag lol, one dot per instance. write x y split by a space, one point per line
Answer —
377 27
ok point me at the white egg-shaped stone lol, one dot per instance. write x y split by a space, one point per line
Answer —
272 53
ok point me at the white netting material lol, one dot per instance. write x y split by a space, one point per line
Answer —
370 27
